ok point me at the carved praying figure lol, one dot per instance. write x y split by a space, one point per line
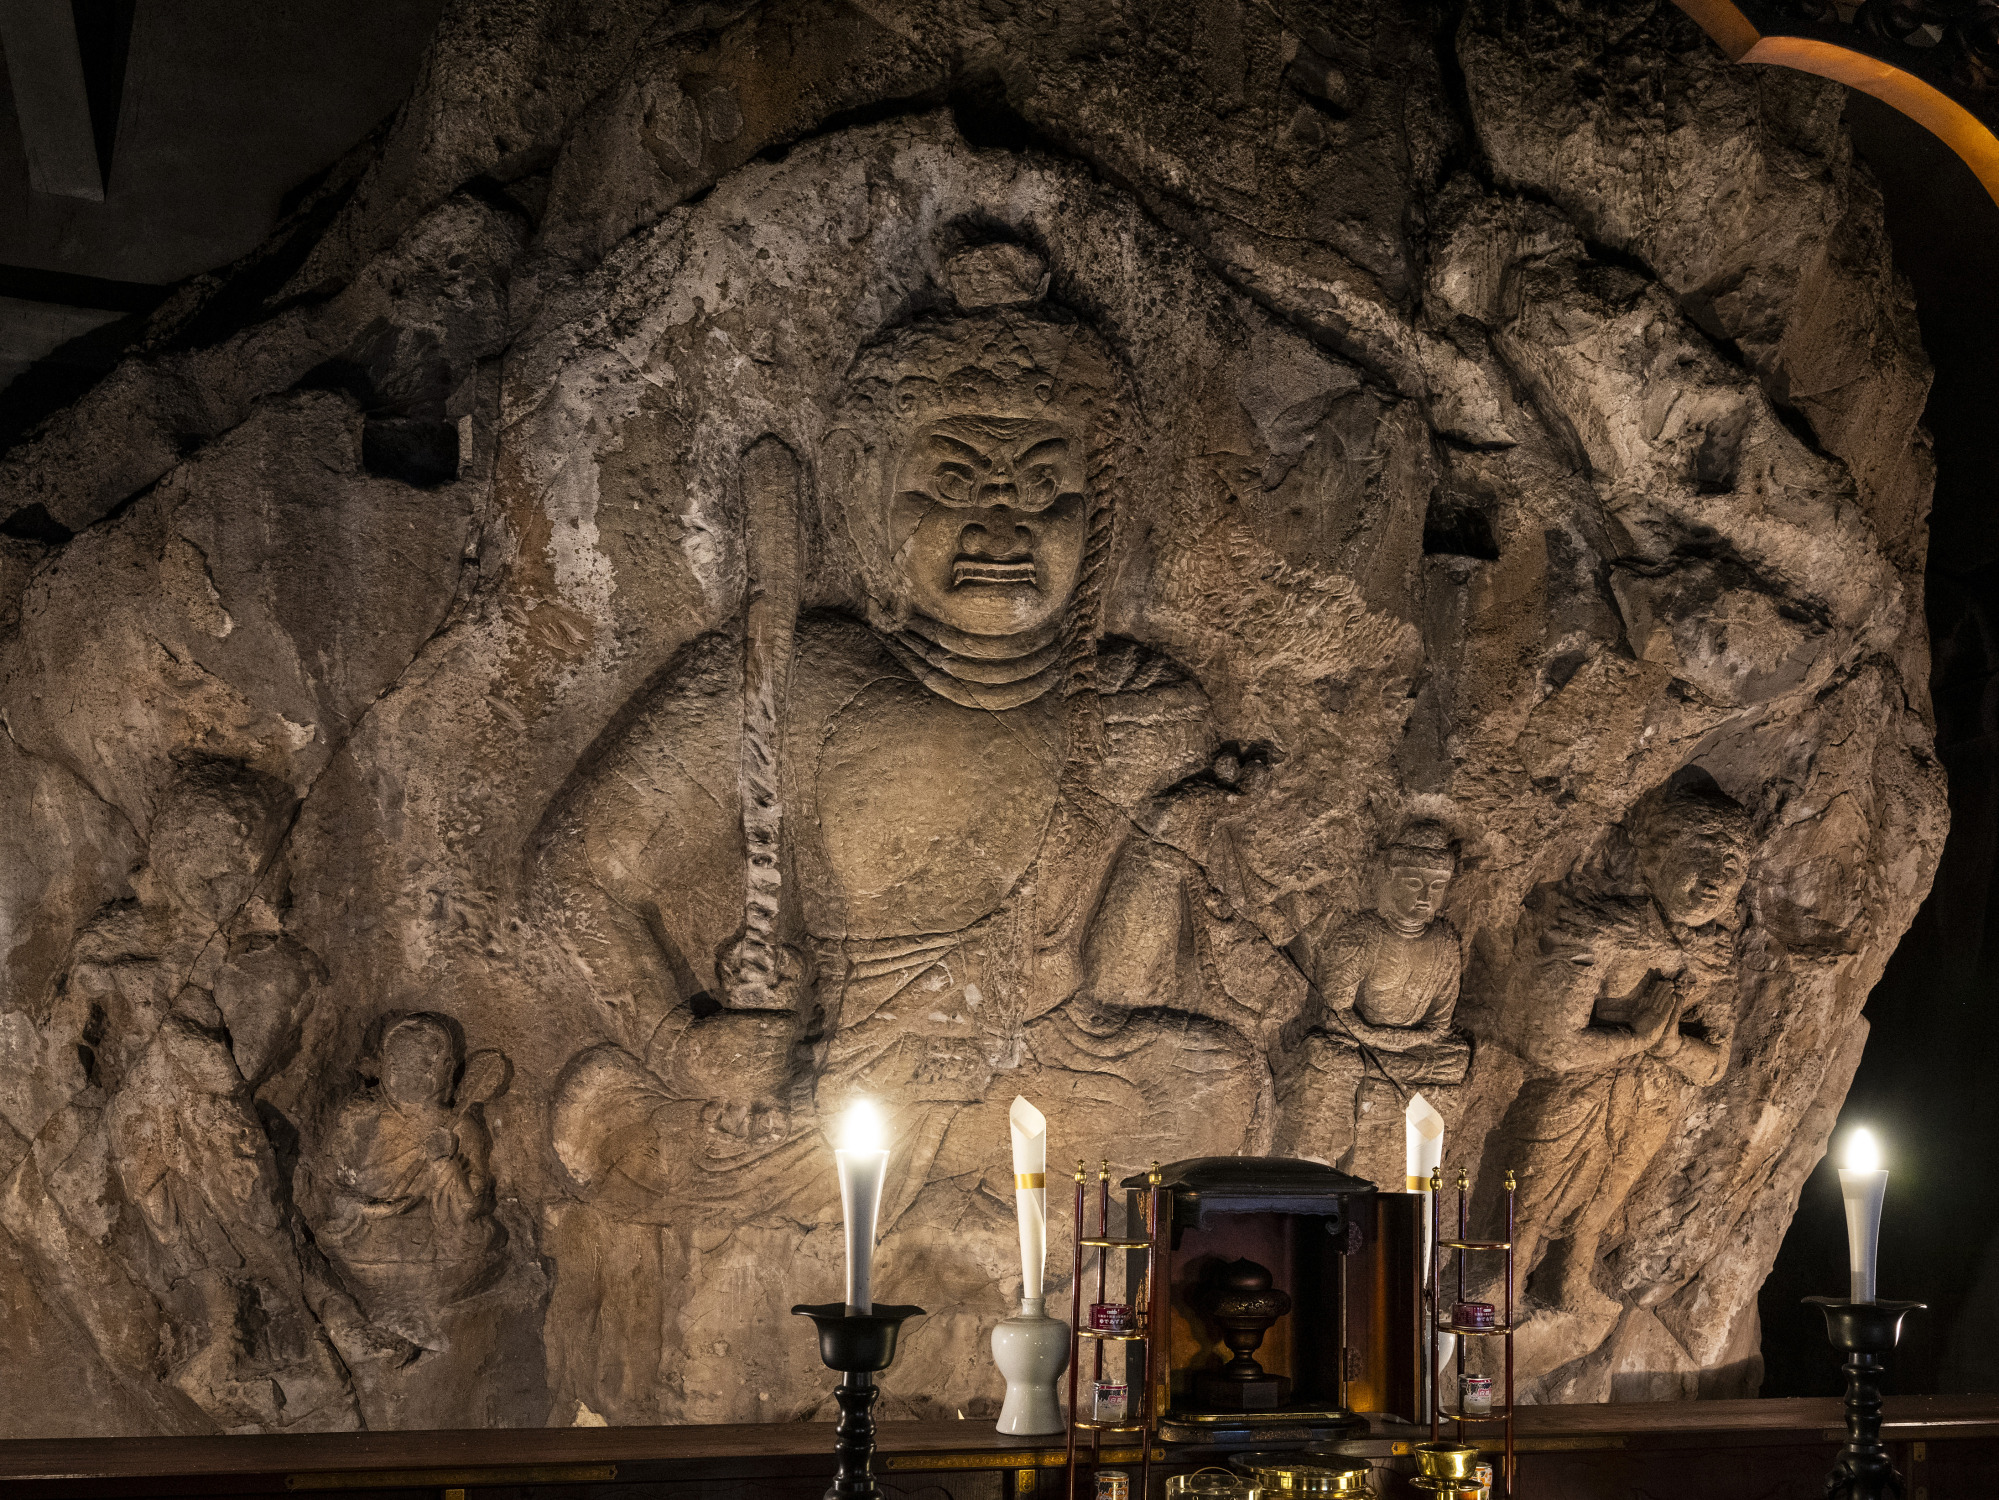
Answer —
1621 1001
406 1192
1387 983
945 800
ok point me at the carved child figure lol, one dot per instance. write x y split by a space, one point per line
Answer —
1387 981
1620 1001
406 1178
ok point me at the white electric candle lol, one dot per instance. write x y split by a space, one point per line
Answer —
1030 1197
863 1162
1423 1143
1863 1182
1422 1154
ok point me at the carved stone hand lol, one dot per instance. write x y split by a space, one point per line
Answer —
1659 1018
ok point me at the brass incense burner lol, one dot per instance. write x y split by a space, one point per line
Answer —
1448 1469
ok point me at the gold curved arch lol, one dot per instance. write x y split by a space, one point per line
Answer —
1946 119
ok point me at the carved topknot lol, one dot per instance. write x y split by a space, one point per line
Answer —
1691 804
996 276
1428 838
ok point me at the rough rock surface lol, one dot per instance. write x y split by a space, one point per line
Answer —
1213 564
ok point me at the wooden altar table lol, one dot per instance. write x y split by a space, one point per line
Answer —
1947 1447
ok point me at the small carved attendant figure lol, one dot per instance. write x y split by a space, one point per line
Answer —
405 1176
1388 984
1619 998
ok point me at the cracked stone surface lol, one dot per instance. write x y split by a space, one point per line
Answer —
1211 564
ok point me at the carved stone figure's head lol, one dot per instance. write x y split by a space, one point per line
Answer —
1691 846
1413 875
989 518
214 832
419 1060
976 444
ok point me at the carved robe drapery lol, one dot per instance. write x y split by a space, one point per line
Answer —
951 861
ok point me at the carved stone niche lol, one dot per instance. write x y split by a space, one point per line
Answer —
1150 629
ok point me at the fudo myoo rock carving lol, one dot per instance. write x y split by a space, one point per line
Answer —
1153 585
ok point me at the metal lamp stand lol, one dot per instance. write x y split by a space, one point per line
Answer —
859 1346
1863 1332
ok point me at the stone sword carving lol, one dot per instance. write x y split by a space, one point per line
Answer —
770 536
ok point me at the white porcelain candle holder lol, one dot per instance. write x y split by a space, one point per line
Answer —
1031 1350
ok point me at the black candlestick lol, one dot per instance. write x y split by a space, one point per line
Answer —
857 1345
1863 1332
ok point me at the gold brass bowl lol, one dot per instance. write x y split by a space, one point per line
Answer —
1207 1484
1446 1460
1281 1476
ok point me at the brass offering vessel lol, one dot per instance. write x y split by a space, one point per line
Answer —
1287 1474
1448 1469
1211 1484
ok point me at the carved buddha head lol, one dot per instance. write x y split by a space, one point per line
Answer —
1692 853
1413 875
419 1058
975 453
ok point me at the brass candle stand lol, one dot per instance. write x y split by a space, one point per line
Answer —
1147 1316
1448 1467
1863 1332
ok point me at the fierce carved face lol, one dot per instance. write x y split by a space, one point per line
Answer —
989 520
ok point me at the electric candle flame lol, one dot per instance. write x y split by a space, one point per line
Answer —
1863 1184
862 1158
1862 1155
861 1130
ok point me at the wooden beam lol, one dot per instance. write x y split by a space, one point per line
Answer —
46 71
1949 121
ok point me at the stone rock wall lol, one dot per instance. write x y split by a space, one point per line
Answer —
1214 565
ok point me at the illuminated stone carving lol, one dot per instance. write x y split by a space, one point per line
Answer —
965 780
1622 1001
738 591
407 1177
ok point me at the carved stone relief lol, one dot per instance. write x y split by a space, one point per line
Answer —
404 1182
1381 1027
1621 1001
1184 600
